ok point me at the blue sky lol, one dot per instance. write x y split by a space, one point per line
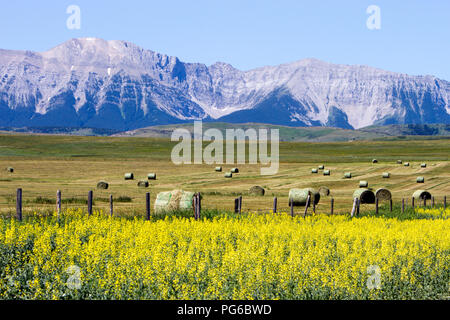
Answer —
414 37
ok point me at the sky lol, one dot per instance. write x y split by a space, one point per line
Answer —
413 35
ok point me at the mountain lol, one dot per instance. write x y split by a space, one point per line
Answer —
94 83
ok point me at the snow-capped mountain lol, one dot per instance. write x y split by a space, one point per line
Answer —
92 82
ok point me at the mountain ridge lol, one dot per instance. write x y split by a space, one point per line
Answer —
92 82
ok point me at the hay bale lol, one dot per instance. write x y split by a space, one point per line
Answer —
314 170
406 164
174 200
348 175
257 191
386 175
300 196
102 185
326 172
363 184
228 175
315 195
151 176
10 169
383 194
374 161
364 195
423 165
129 176
235 170
421 194
324 191
420 180
143 184
321 167
399 161
218 169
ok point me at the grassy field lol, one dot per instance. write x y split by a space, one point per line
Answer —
44 164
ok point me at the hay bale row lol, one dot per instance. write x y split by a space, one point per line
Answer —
102 185
420 180
257 191
174 200
364 195
363 184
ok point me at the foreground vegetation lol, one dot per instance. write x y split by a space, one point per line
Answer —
254 256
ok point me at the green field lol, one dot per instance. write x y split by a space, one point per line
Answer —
45 163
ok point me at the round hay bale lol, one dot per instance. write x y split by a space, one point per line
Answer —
218 169
314 170
421 194
363 184
10 169
326 172
143 184
321 167
324 191
383 194
257 191
129 176
228 175
174 200
151 176
374 161
364 195
406 164
348 175
386 175
102 185
423 165
298 196
235 170
420 180
399 161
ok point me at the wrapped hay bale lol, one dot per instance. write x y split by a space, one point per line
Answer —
228 175
363 184
386 175
324 191
235 170
129 176
364 195
300 196
421 194
383 194
423 165
174 200
348 175
143 184
326 172
321 167
399 161
420 180
314 170
151 176
218 169
406 164
10 169
374 161
257 191
102 185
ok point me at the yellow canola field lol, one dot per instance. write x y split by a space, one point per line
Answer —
259 256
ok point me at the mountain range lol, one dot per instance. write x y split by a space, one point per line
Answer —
94 83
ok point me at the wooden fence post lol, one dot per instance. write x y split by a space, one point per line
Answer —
291 205
19 204
111 205
432 202
403 205
90 199
199 205
308 202
58 202
376 205
236 205
275 205
390 204
240 204
147 205
412 202
332 205
445 202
